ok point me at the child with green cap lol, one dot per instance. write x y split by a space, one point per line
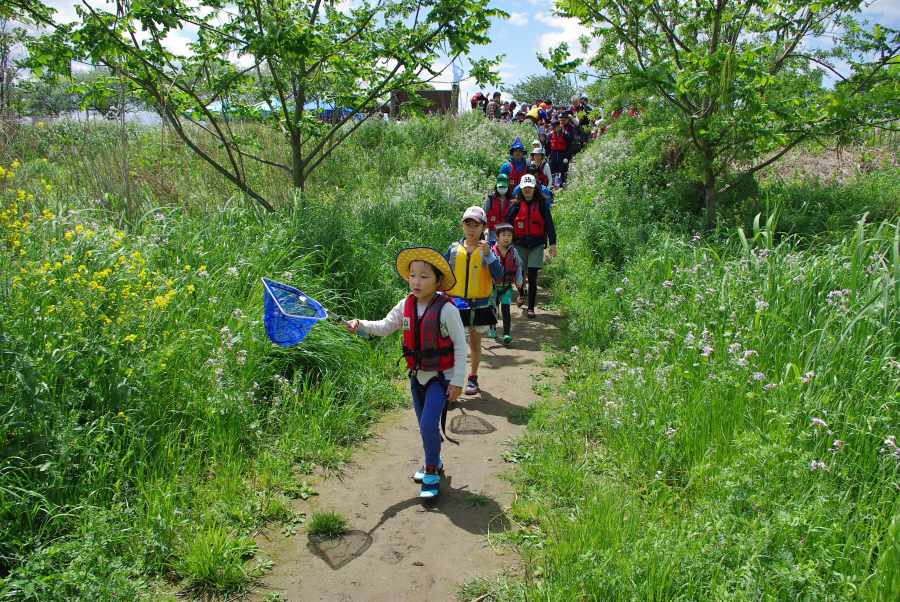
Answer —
497 204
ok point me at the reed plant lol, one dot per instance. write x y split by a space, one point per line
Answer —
730 418
148 424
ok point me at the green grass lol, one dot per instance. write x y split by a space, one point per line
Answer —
143 407
733 411
328 525
477 500
149 426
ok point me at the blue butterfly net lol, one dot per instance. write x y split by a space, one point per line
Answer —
289 313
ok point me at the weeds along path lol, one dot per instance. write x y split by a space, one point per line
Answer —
401 548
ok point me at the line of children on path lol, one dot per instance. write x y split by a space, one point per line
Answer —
457 293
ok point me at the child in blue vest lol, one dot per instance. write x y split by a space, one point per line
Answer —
475 268
515 167
434 345
512 276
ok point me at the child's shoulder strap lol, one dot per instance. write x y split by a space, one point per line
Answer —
451 254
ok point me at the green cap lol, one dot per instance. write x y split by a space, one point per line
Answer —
502 180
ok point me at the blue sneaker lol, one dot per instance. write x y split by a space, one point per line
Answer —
420 474
492 334
430 485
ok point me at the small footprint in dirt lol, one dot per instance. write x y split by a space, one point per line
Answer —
392 557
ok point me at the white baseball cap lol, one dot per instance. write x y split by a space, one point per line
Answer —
475 212
527 181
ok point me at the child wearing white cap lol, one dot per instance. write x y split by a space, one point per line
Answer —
533 228
475 267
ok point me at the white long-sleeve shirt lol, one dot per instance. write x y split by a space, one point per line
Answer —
451 325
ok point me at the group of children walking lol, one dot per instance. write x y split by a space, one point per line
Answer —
459 293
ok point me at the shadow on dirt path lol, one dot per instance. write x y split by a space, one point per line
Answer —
401 548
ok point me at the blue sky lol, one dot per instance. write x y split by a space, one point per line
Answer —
531 28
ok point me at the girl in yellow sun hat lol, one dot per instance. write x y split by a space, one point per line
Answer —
434 345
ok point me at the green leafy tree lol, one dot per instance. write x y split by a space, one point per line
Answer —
267 60
548 86
48 96
741 78
12 41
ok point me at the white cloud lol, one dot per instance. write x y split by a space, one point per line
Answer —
518 18
571 30
890 9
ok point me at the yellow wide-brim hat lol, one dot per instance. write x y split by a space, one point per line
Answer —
432 256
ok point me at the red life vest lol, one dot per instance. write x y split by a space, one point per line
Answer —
499 207
543 176
423 345
516 173
528 221
509 265
558 141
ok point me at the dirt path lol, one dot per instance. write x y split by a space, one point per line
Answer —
401 548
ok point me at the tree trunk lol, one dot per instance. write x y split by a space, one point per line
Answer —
709 192
297 166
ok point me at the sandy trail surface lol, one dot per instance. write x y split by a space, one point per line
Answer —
400 547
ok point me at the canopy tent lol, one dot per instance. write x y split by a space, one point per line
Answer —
321 109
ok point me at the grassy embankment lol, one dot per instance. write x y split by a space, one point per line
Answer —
729 424
148 425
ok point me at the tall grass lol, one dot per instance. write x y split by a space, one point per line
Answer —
731 412
148 424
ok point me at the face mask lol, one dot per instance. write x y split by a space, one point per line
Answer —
502 189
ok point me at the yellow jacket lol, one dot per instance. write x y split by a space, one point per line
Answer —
473 278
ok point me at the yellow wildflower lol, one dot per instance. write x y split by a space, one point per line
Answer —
67 258
79 227
44 160
46 214
48 188
15 164
187 268
190 288
130 338
69 234
40 125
